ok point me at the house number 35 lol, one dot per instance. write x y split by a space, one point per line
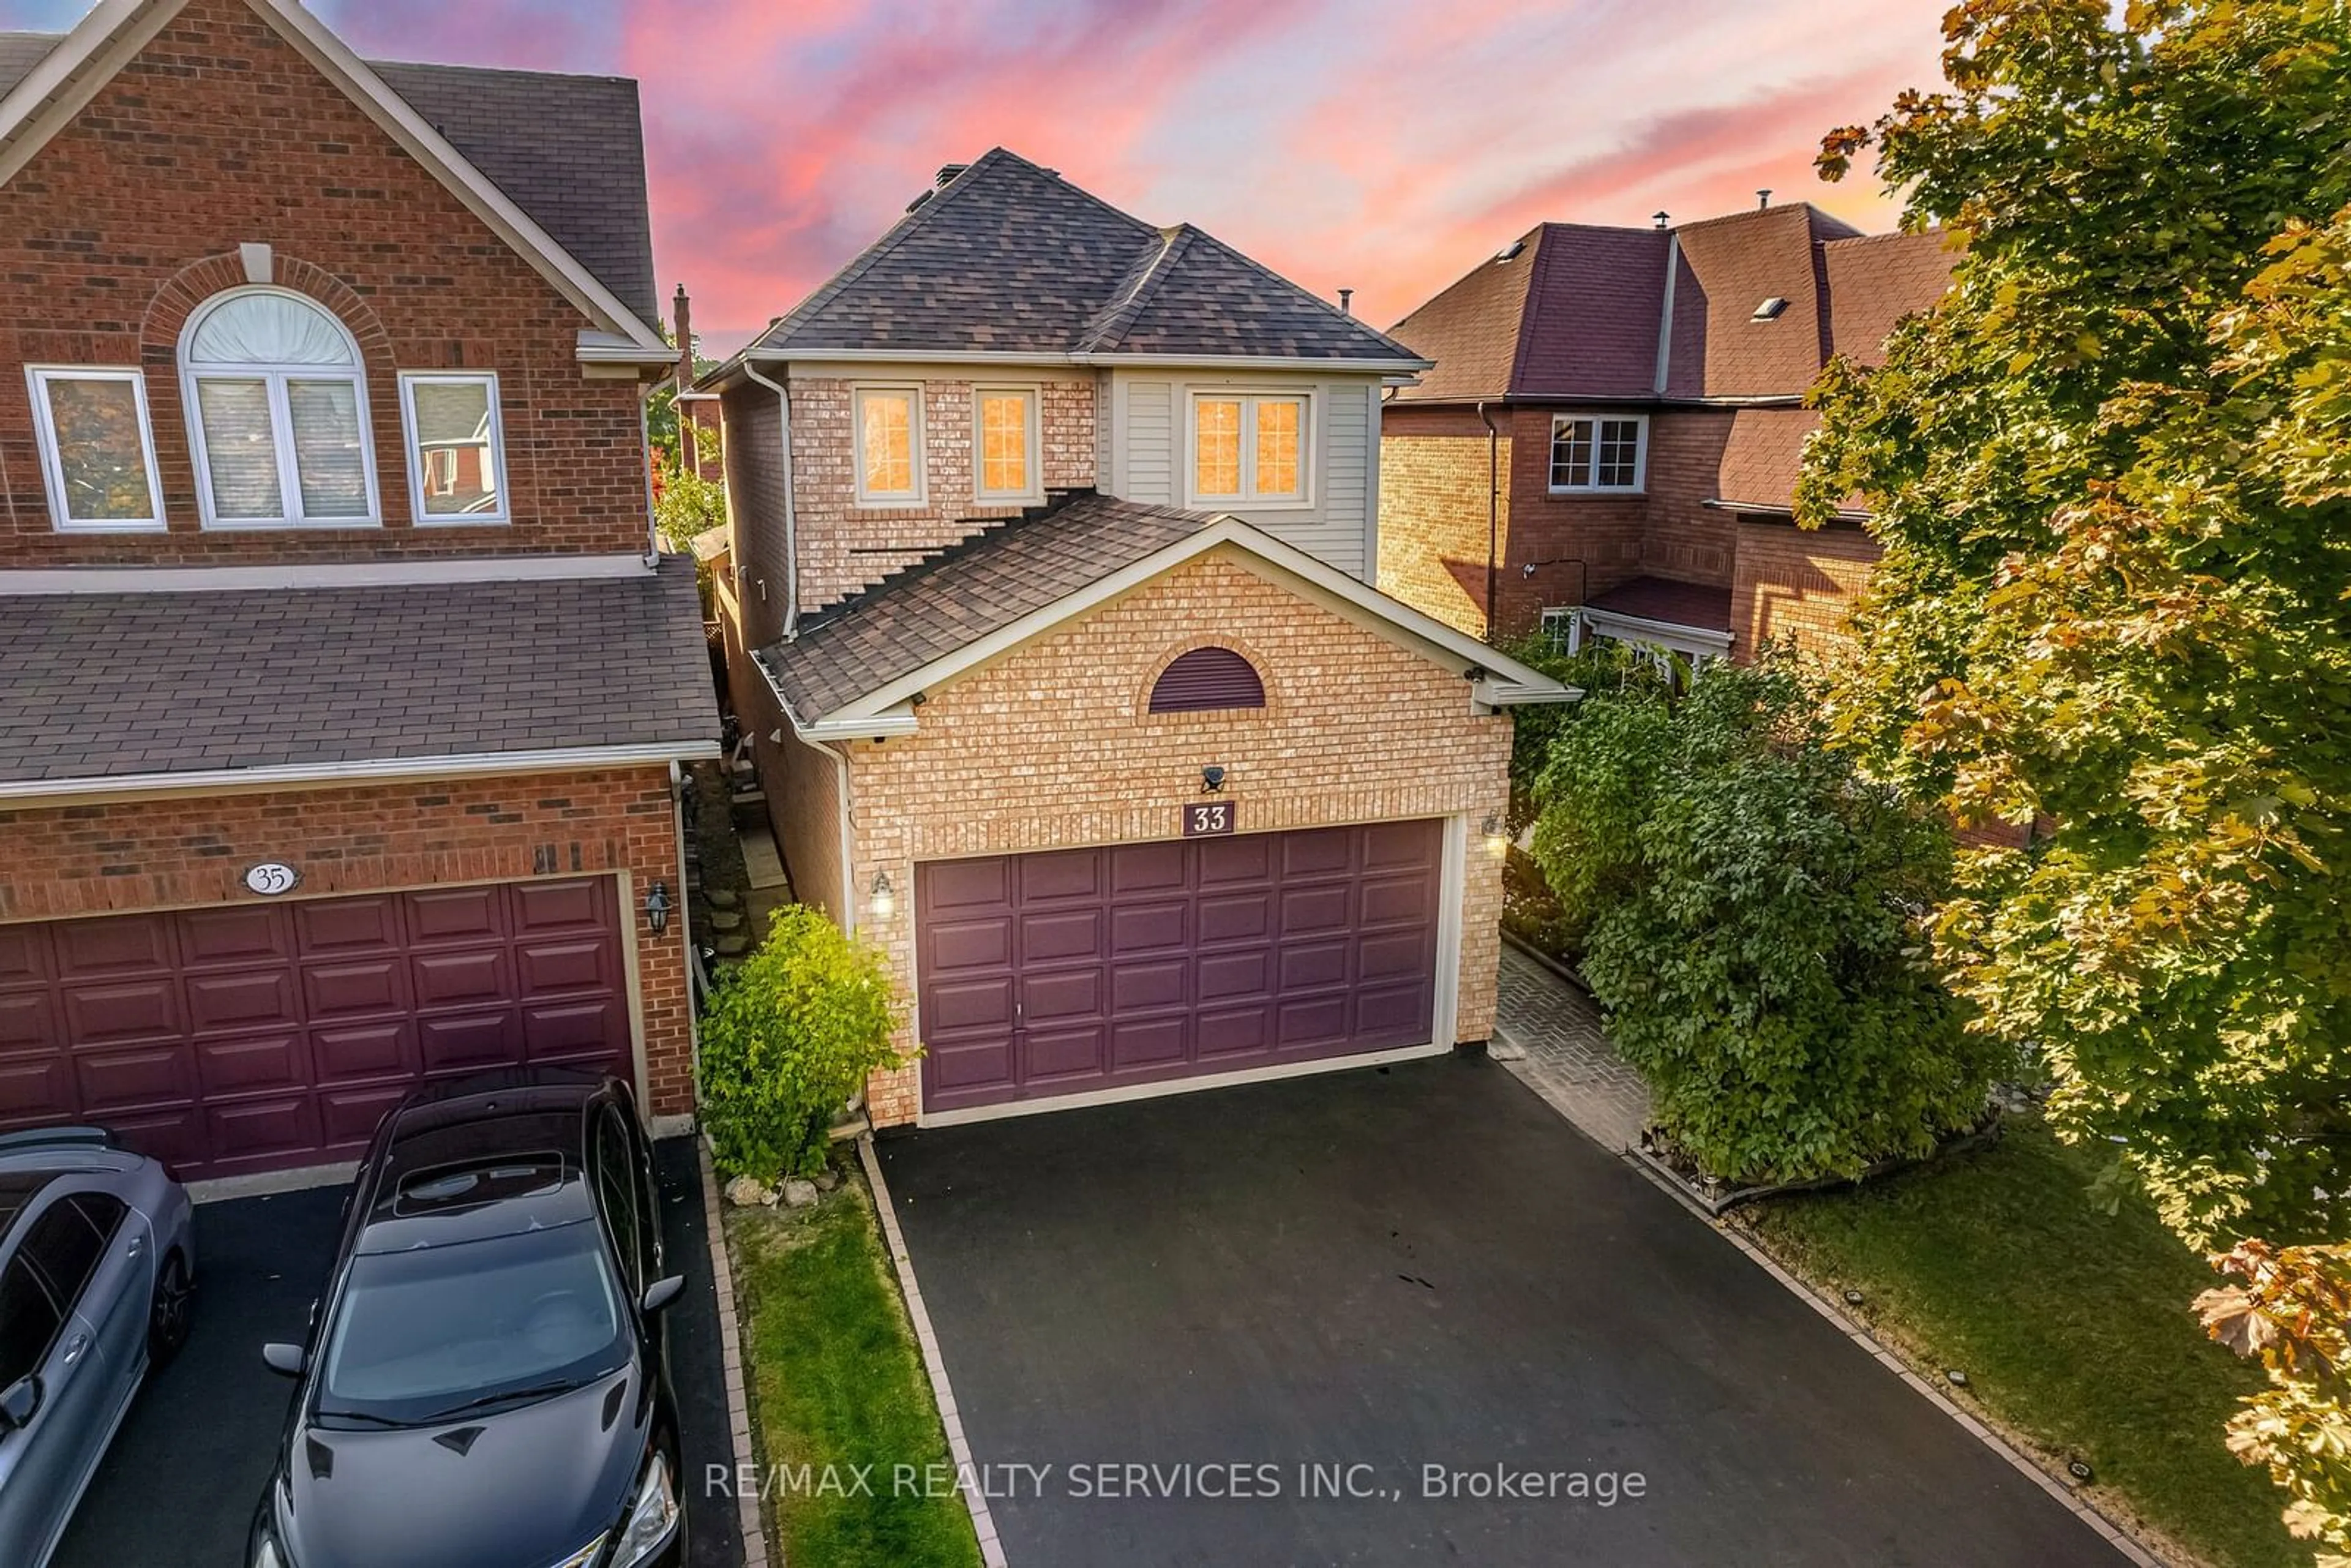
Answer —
270 878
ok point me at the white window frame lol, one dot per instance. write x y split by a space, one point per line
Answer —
1034 460
281 421
409 381
913 392
1248 398
53 467
1640 454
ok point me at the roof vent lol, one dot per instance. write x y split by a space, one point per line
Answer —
919 200
947 171
1346 302
1762 198
1509 252
1770 309
1660 217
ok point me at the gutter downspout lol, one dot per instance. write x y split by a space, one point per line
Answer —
646 451
1493 517
791 527
678 785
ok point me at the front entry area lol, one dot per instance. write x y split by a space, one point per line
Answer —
259 1036
1075 971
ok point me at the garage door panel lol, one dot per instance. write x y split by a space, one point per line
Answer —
1065 933
252 1063
118 945
454 979
348 926
134 1009
147 1076
250 1035
1153 961
218 1003
243 934
455 915
365 1052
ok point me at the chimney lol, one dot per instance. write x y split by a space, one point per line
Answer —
1346 302
1660 216
1762 198
680 315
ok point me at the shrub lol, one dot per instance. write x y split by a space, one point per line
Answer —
789 1036
1751 909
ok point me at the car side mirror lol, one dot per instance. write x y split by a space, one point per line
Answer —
285 1360
662 1292
20 1401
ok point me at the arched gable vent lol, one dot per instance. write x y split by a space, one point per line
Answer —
1206 679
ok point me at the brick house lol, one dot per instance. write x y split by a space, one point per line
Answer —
1049 614
342 689
1609 441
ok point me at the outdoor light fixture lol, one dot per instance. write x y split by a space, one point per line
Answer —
657 907
885 899
1496 841
1212 778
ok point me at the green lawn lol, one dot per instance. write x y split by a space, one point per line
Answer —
835 1379
2072 1325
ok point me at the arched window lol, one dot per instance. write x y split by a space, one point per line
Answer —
1206 680
276 413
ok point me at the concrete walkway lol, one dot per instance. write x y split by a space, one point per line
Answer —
1547 1032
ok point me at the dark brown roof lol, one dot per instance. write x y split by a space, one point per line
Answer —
568 149
105 684
1763 453
1695 604
981 586
1011 259
1575 315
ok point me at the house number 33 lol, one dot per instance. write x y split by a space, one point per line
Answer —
270 878
1208 818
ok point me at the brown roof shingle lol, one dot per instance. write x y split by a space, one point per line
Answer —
980 587
104 684
1876 281
1697 604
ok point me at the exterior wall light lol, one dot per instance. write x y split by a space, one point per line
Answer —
1496 841
1212 778
885 897
657 907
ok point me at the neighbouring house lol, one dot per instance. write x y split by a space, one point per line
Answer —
341 689
1048 611
1609 441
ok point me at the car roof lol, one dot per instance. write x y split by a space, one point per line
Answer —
499 1155
19 1191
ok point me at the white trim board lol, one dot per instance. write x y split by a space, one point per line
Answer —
330 574
16 794
111 35
1167 1086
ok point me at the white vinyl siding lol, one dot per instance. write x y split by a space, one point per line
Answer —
1149 460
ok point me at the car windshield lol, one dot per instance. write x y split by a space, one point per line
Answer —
428 1332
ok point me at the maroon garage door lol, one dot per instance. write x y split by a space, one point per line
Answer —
1085 970
254 1036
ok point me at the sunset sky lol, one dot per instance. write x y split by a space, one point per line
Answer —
1384 145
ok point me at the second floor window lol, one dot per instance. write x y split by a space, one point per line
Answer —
1249 448
1590 452
98 454
452 419
278 414
1008 441
889 445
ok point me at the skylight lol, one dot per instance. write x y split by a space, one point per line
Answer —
1769 309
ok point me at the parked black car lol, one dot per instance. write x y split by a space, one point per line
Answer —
486 1383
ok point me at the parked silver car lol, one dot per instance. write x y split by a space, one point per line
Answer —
98 1265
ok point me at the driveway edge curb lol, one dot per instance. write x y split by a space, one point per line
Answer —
2114 1535
991 1550
730 1349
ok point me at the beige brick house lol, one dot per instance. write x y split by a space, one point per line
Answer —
1050 618
1608 440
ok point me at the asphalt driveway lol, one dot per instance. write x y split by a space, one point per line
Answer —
180 1483
1376 1272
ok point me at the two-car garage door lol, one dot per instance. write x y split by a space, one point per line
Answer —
254 1036
1081 971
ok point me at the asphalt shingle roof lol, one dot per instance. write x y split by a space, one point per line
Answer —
568 149
980 586
113 684
1008 257
1676 603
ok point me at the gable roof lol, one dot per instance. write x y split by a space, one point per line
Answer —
850 672
1010 259
1579 312
554 164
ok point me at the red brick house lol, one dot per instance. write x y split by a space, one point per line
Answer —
1048 613
1609 440
342 688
